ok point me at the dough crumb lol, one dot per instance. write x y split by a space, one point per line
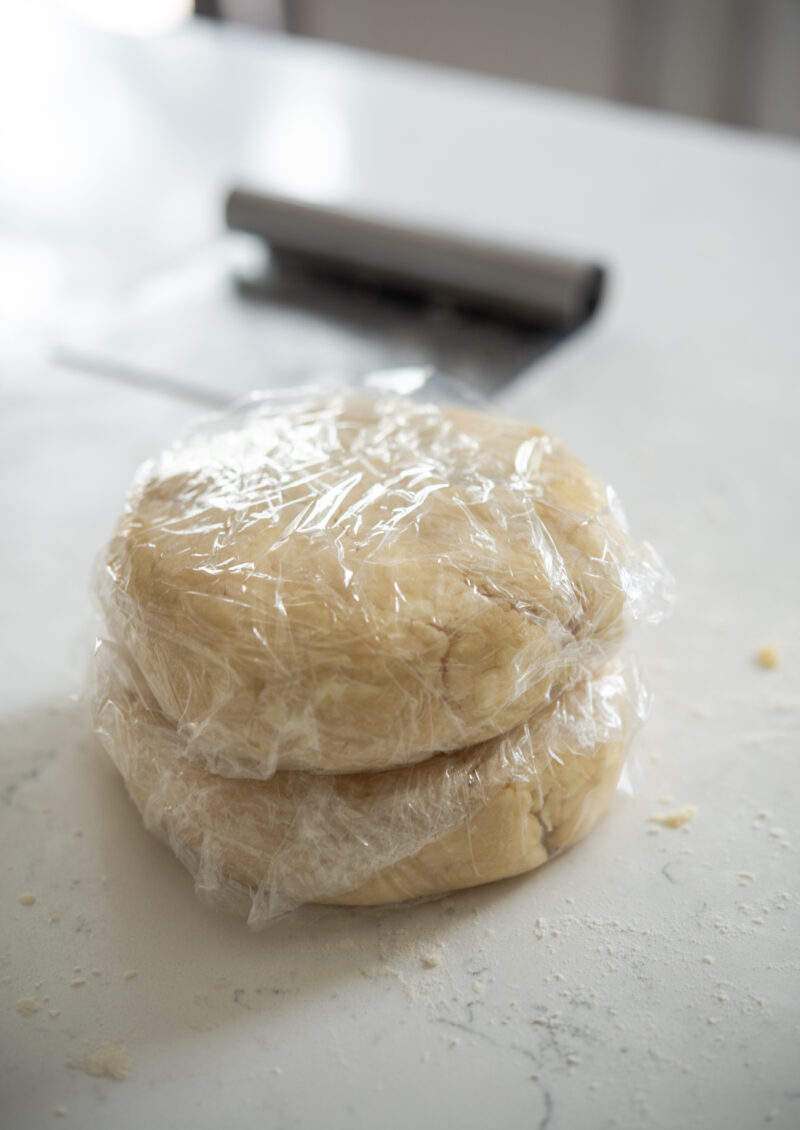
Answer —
708 959
675 819
27 899
54 1012
768 656
96 972
111 1060
26 1006
60 1111
430 960
76 982
129 974
55 917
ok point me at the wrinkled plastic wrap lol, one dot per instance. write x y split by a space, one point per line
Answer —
342 583
492 810
359 648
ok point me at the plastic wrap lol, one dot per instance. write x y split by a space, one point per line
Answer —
343 583
360 648
455 820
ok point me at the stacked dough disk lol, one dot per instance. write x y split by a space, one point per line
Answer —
359 649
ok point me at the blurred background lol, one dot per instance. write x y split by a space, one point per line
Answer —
124 125
732 61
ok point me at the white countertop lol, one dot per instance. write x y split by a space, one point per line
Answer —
640 980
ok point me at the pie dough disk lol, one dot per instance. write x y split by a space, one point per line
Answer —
457 820
356 584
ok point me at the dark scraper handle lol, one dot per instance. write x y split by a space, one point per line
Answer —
549 291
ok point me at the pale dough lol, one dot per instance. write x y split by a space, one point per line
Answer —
457 820
359 584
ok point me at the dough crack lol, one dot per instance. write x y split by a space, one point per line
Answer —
525 607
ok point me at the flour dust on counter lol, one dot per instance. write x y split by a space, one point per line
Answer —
530 983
